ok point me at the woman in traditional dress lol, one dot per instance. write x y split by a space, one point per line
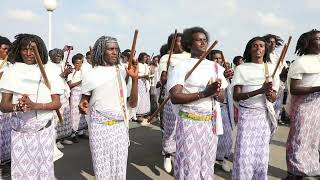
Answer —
63 129
107 98
5 127
74 81
257 119
225 140
303 142
144 106
25 94
198 110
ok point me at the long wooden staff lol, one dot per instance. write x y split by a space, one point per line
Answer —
4 62
282 56
133 48
171 49
43 74
187 76
224 61
167 69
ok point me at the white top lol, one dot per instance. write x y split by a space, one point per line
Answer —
307 69
143 69
25 79
59 69
102 83
5 66
175 59
75 76
252 76
85 67
206 70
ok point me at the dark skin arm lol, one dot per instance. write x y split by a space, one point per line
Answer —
238 95
299 91
84 104
178 97
27 105
72 85
133 73
66 71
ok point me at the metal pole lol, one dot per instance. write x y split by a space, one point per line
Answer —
50 40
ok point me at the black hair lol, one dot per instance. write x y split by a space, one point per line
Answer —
78 56
279 41
126 53
141 55
22 40
56 51
247 55
164 50
88 53
4 40
237 59
187 38
170 38
212 53
303 44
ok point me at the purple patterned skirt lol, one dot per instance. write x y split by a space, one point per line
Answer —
109 147
252 145
303 144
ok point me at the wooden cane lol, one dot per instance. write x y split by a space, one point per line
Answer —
282 56
224 61
171 49
133 48
43 74
187 76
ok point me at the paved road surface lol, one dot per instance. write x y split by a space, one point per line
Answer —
145 161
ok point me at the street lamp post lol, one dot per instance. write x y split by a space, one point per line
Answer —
50 5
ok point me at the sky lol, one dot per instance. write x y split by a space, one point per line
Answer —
232 22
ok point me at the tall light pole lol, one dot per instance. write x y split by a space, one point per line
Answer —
50 5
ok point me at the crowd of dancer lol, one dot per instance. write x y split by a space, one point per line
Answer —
48 104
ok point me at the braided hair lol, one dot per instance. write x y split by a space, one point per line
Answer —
279 41
99 50
303 44
23 40
247 54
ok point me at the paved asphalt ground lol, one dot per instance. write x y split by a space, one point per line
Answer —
145 161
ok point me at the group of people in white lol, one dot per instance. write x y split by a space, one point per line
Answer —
47 103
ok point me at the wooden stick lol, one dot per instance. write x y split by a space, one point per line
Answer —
4 62
171 49
43 74
282 56
224 61
167 69
187 76
201 59
133 48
